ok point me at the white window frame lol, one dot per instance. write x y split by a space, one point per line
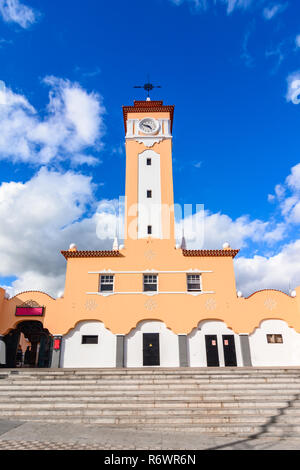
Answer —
188 283
156 283
107 283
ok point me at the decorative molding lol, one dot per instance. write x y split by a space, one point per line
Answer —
150 305
270 303
147 271
149 142
149 254
151 293
211 304
91 305
30 304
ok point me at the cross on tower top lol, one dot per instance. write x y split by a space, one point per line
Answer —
148 87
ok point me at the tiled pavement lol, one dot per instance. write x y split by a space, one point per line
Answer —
36 445
40 445
65 436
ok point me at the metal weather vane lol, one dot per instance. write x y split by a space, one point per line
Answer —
148 87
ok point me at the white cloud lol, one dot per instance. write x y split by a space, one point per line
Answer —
288 196
73 123
13 11
209 231
233 4
5 42
39 218
276 272
293 91
203 5
297 40
270 11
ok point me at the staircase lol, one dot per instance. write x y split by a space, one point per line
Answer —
221 401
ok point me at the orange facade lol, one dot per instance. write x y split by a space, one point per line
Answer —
122 309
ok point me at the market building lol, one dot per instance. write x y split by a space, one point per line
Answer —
150 302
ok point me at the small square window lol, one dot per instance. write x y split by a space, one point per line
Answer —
273 339
107 283
149 193
149 161
193 283
150 282
89 339
149 229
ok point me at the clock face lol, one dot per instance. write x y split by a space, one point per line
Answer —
148 125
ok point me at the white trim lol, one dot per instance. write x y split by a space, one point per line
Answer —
148 271
195 294
134 132
148 141
162 133
149 210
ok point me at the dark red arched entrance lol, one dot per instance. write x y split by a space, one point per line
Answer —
40 345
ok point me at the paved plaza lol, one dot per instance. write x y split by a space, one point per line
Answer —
18 435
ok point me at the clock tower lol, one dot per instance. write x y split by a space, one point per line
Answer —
149 211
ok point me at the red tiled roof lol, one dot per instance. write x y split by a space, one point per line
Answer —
148 107
91 254
231 253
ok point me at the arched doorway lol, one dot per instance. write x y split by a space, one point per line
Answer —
39 349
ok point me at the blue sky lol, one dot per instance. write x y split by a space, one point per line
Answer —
232 70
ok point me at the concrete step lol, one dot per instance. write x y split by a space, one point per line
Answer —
93 416
219 429
131 373
144 402
156 377
165 394
233 390
225 401
226 383
157 382
133 411
156 372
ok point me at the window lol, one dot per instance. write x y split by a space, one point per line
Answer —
272 339
106 283
149 162
193 283
149 193
150 282
149 229
89 340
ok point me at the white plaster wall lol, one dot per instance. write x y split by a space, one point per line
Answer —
197 348
168 345
149 208
75 354
266 354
